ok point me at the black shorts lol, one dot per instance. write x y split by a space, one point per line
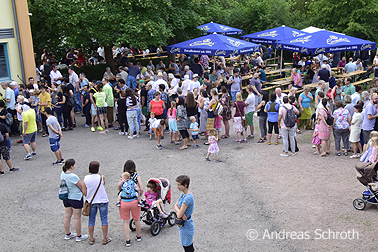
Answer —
270 127
189 248
75 204
159 116
184 133
4 152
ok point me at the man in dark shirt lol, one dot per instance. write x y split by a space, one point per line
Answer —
86 105
197 68
244 70
324 75
131 78
4 150
124 60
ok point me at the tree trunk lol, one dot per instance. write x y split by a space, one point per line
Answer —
172 41
109 58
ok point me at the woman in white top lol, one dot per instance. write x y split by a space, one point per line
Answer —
100 201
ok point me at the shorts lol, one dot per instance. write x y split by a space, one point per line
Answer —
75 204
103 209
54 144
195 137
366 134
184 134
258 99
4 151
296 86
157 131
159 116
127 207
101 110
272 125
233 95
30 138
165 114
249 117
93 110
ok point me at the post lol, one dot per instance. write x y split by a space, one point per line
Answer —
281 59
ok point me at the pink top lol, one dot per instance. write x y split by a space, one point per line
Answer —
297 78
373 155
173 116
151 197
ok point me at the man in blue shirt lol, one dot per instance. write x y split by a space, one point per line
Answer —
131 78
350 67
369 114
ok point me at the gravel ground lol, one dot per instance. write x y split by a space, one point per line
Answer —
292 203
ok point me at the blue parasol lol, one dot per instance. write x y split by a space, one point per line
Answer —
273 35
214 44
211 27
324 42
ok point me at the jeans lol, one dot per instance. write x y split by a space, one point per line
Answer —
67 116
262 125
139 113
344 134
286 133
132 119
8 140
233 95
103 207
87 113
131 82
58 112
77 98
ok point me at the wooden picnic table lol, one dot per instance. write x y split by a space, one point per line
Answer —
350 74
277 71
276 65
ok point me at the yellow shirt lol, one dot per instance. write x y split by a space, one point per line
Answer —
29 117
43 98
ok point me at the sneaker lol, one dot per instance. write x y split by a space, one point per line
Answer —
81 238
121 133
284 155
137 136
71 128
198 146
159 147
2 173
116 128
208 159
128 243
293 154
70 236
163 215
100 128
56 163
34 153
118 204
269 143
244 140
107 131
85 125
28 157
126 134
93 129
279 137
140 203
276 143
195 146
250 136
138 238
61 161
130 137
19 141
102 132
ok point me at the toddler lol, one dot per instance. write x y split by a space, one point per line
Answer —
152 199
195 132
365 157
126 177
213 147
374 152
315 140
150 122
158 127
172 124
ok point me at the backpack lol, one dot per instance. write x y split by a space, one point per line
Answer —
218 109
63 189
128 190
9 118
70 101
290 118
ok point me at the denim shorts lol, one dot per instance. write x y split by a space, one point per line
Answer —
195 137
54 144
30 138
233 95
103 208
101 110
93 110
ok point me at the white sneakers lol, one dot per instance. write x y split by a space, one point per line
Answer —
81 238
70 236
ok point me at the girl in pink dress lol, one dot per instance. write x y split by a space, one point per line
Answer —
315 139
213 147
374 152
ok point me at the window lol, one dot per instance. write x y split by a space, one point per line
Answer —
4 64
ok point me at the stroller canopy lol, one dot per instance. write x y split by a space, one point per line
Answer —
164 186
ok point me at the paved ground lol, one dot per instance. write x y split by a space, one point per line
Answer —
254 188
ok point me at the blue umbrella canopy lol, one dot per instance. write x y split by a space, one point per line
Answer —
273 35
211 27
214 44
323 42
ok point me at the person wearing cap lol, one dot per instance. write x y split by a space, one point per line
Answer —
173 67
194 83
160 80
131 78
123 73
44 101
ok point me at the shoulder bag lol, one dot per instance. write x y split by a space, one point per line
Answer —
87 206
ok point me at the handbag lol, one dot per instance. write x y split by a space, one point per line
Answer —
329 119
87 206
244 121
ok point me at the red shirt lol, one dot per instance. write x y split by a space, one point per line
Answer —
157 107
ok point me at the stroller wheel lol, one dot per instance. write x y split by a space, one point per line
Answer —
132 225
155 228
359 204
172 218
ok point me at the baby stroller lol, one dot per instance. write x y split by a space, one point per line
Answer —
150 216
367 175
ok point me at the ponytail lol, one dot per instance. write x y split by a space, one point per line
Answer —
68 164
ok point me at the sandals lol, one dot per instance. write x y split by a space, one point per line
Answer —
224 136
207 143
338 154
323 155
107 241
316 153
261 140
91 242
183 148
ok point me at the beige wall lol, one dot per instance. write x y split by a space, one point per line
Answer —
25 38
